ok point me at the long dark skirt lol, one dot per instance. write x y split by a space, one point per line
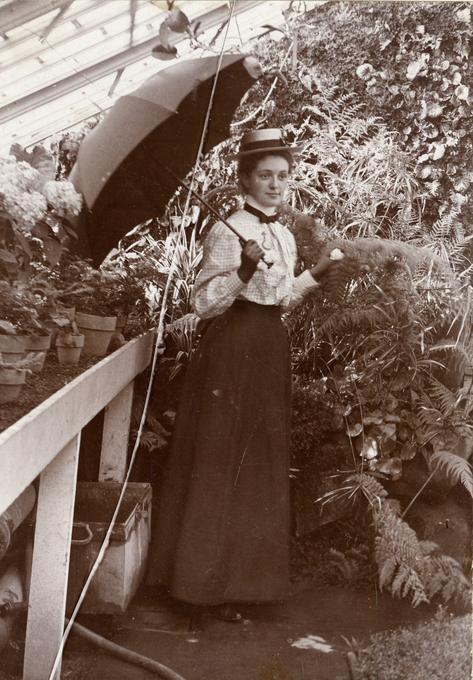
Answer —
222 528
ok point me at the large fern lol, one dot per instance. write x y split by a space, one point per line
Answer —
407 567
411 568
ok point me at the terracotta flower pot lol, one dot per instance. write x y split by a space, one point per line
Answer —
39 344
11 382
12 348
69 348
98 331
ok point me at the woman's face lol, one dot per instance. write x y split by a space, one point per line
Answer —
267 183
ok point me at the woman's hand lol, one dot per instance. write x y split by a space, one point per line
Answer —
251 254
329 260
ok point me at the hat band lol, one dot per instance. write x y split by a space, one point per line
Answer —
263 144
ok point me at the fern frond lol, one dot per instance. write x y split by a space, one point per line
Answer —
396 539
356 486
373 490
447 399
444 226
429 418
457 468
386 572
407 582
428 547
446 578
400 558
337 323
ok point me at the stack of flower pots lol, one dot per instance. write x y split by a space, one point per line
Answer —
12 351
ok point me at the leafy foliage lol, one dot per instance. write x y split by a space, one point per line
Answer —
408 64
399 557
177 22
33 210
409 567
456 467
18 312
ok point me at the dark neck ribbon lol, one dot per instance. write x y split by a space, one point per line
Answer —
263 218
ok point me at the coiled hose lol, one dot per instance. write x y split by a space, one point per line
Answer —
125 654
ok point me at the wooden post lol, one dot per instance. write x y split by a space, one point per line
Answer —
116 430
52 542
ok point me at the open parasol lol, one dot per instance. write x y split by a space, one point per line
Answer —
121 164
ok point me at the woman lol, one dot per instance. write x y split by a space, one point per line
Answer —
222 530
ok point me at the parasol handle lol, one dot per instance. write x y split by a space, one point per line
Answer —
214 212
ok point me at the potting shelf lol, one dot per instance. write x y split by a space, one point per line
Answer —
45 444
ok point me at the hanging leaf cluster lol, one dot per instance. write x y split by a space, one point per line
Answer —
174 28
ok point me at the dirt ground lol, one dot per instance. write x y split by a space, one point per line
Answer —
306 638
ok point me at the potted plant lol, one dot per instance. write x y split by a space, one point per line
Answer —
12 346
39 338
130 279
13 376
18 317
12 379
69 341
104 299
94 299
28 309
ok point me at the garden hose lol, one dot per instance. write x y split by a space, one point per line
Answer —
126 654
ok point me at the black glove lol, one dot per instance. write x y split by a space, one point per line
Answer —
251 254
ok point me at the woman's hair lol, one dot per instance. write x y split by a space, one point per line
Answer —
247 164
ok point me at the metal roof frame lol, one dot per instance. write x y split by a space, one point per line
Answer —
64 63
16 13
108 66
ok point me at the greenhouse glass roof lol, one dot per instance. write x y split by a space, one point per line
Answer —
64 61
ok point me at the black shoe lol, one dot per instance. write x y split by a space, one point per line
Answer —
228 613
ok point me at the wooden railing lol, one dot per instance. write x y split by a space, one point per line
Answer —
45 444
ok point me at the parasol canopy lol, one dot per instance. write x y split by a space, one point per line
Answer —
120 167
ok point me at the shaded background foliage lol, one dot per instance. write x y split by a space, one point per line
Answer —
408 64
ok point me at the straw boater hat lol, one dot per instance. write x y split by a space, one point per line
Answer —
258 141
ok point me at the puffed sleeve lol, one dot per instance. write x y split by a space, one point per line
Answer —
303 284
218 283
